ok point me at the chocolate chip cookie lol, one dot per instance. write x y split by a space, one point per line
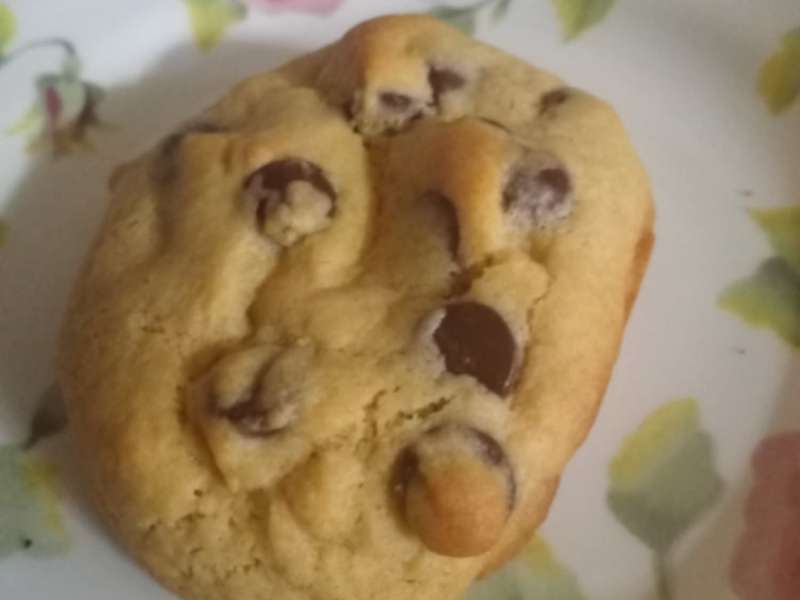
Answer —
340 333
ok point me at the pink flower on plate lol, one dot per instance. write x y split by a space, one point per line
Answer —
67 107
310 6
766 565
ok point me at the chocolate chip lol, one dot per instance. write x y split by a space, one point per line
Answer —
249 417
456 488
490 449
260 390
485 446
444 207
480 443
475 340
255 416
279 174
405 469
283 215
539 193
396 102
442 80
553 99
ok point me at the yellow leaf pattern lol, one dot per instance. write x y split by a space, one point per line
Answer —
663 476
578 15
536 575
30 518
210 19
779 78
8 26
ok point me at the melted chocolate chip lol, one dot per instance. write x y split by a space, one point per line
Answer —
557 180
257 391
273 180
553 99
485 447
475 340
396 102
254 416
444 207
441 487
405 469
490 448
494 454
249 416
443 80
539 193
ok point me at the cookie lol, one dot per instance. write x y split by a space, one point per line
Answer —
339 334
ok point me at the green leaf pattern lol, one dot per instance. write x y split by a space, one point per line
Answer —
663 476
662 480
535 575
770 298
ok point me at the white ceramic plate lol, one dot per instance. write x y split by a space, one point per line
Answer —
653 506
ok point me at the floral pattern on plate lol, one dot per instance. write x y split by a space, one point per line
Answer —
65 109
211 18
575 15
8 26
662 480
779 78
770 298
30 514
30 518
535 575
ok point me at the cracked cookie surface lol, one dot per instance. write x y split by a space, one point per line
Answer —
340 334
